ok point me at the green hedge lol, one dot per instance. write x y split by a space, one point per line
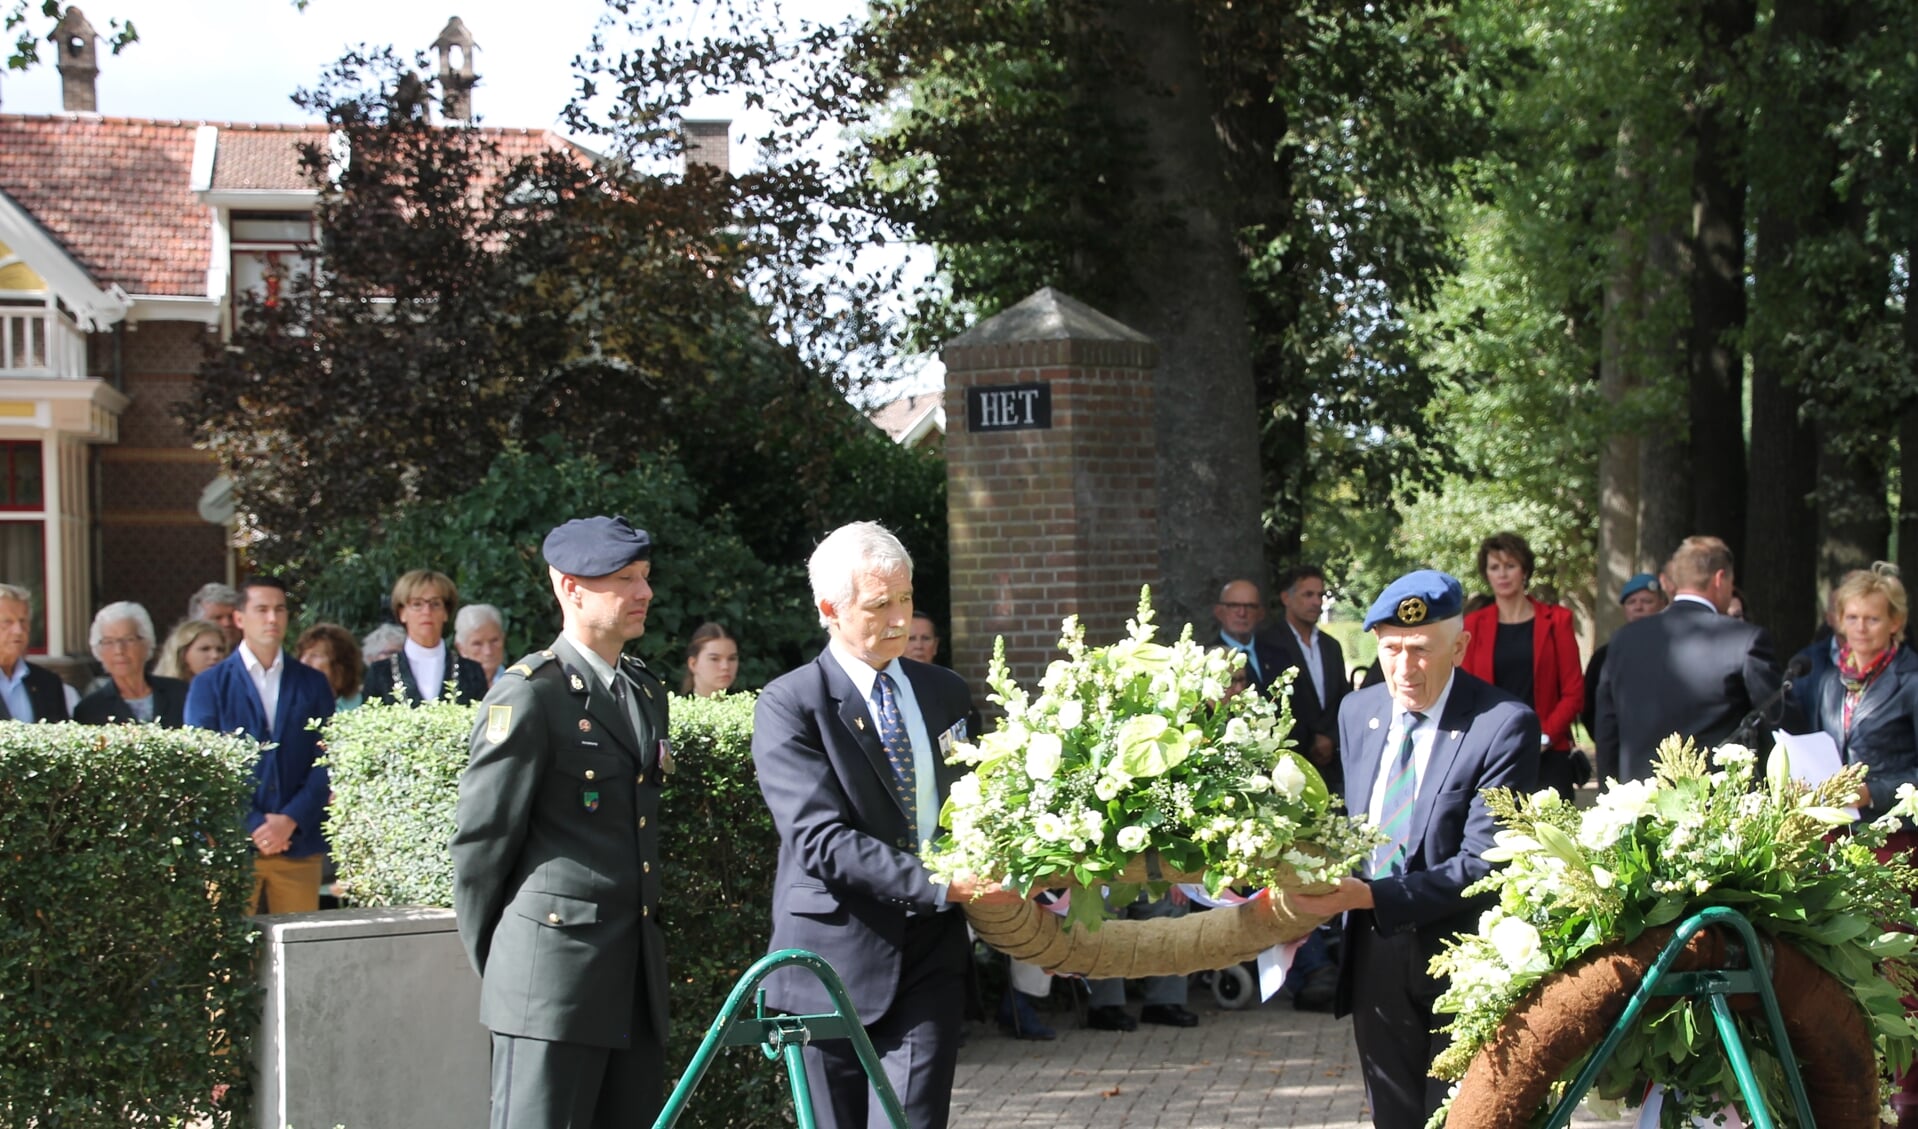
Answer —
126 995
394 774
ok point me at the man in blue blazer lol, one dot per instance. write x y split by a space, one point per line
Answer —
259 691
850 751
1419 750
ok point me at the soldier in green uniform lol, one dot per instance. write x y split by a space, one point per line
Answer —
556 856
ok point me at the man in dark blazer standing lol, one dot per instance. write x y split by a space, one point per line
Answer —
851 751
424 602
259 690
1239 611
556 875
1321 685
1419 751
27 692
1691 670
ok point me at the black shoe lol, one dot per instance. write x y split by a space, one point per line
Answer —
1018 1019
1318 991
1168 1015
1110 1018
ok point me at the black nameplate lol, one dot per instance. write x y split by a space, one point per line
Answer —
1009 407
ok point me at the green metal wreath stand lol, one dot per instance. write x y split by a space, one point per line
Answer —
743 1022
1715 985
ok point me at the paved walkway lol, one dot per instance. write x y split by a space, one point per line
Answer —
1266 1066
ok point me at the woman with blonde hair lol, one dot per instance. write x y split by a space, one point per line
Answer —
193 646
426 667
1868 701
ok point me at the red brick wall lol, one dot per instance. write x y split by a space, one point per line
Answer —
1049 523
154 547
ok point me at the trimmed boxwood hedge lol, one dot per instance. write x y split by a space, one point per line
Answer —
395 772
126 956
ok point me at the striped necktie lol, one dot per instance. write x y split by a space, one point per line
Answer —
898 746
1395 812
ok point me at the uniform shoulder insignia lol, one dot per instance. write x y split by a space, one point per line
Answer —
526 666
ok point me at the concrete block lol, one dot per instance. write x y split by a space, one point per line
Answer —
371 1021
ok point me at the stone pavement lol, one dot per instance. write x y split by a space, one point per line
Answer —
1266 1066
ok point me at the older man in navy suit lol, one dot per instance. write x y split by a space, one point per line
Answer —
851 753
260 691
1419 750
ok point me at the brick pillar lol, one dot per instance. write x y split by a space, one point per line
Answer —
1049 516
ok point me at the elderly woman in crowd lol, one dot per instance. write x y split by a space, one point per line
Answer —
192 648
1528 648
424 666
712 662
479 633
332 650
122 639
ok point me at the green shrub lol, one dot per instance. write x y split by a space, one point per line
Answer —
126 989
395 771
719 850
394 785
488 540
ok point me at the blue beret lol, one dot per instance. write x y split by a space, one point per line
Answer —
1643 582
596 546
1425 596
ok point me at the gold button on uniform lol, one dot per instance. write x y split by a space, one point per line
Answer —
553 917
589 774
645 911
642 821
645 868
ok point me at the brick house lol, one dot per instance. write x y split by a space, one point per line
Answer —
122 245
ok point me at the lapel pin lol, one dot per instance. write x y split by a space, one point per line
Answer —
1373 724
648 690
578 682
860 722
585 726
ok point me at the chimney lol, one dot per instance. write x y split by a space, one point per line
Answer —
708 143
456 83
73 39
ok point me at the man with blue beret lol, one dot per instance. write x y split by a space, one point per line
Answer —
1419 749
556 876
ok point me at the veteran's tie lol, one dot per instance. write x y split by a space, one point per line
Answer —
898 746
1395 812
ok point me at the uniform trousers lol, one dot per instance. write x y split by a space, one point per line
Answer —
546 1085
1393 1024
917 1039
289 885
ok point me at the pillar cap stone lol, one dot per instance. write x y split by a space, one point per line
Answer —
1048 315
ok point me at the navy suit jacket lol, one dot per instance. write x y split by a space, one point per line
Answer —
105 706
468 677
1686 670
845 886
285 779
1486 739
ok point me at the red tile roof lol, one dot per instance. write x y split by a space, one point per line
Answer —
118 192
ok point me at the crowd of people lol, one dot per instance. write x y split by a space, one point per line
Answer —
556 855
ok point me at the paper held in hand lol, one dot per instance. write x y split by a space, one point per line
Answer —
1814 757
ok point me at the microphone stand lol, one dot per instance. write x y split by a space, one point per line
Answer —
1750 729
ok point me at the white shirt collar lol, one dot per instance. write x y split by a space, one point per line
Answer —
1436 710
602 669
253 663
862 673
1696 599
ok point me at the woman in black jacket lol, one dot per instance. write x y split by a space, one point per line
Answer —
1868 701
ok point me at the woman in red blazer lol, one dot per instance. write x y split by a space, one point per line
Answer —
1527 648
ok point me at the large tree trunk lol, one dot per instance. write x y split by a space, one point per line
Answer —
1665 469
1717 277
1188 294
1619 460
1908 439
1779 568
1854 522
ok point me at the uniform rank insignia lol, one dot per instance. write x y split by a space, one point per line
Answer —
498 720
589 798
665 757
578 682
